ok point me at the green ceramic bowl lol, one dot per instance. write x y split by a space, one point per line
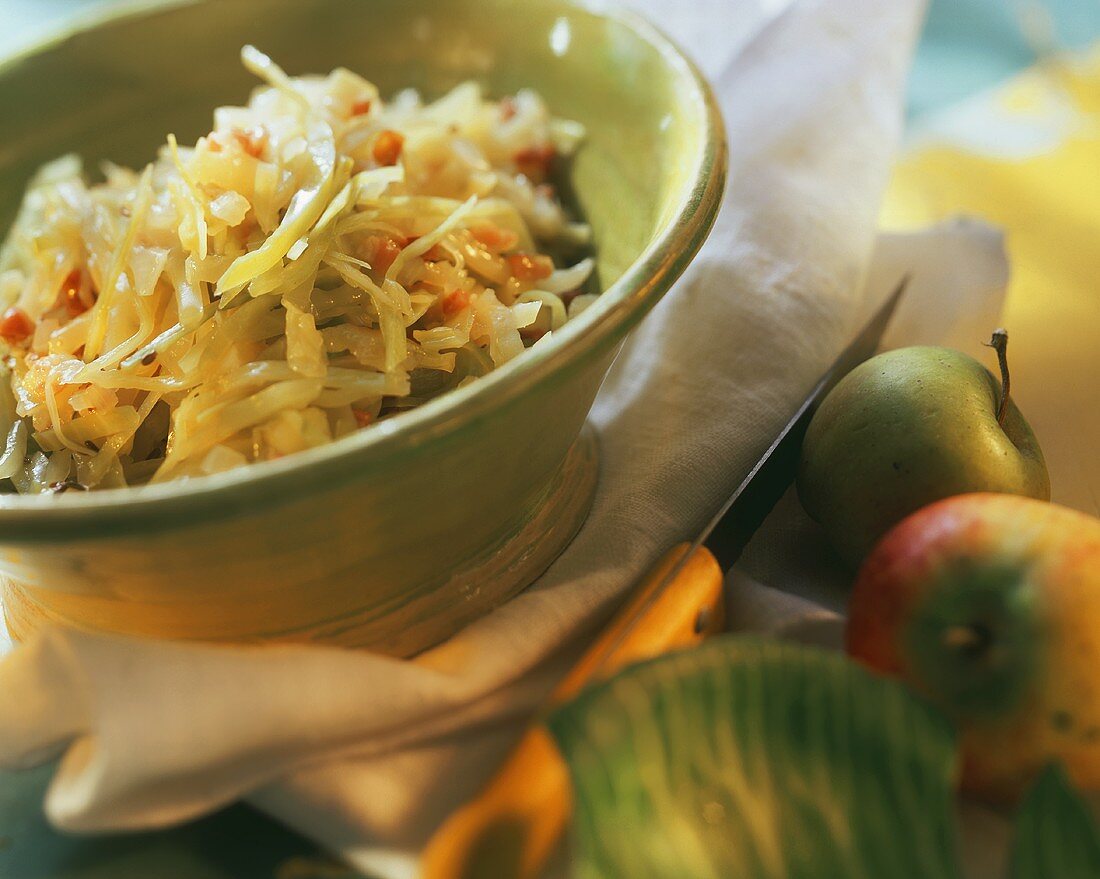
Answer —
396 536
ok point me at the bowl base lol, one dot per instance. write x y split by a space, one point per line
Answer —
498 574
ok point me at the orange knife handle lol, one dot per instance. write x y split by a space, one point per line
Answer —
510 829
689 609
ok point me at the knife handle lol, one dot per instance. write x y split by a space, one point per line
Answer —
510 829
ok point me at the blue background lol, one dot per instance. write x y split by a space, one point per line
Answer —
970 45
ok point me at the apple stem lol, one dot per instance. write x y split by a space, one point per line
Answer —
999 343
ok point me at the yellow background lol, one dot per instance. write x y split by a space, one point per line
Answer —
1031 164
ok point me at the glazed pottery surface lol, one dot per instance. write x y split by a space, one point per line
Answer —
396 536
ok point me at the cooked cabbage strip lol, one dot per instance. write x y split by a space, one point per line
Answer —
306 207
256 62
320 260
101 311
194 199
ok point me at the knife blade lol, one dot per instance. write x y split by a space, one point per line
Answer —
731 527
509 830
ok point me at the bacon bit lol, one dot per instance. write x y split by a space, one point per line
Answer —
252 141
534 161
387 252
381 251
15 326
387 147
362 418
530 267
70 293
360 107
455 302
495 238
507 109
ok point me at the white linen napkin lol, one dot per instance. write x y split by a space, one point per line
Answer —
376 810
367 753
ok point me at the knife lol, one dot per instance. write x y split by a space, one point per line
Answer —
511 828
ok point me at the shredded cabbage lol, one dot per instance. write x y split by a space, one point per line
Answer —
321 260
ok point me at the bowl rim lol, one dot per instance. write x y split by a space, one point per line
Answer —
145 508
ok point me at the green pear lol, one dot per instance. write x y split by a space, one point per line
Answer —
907 428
